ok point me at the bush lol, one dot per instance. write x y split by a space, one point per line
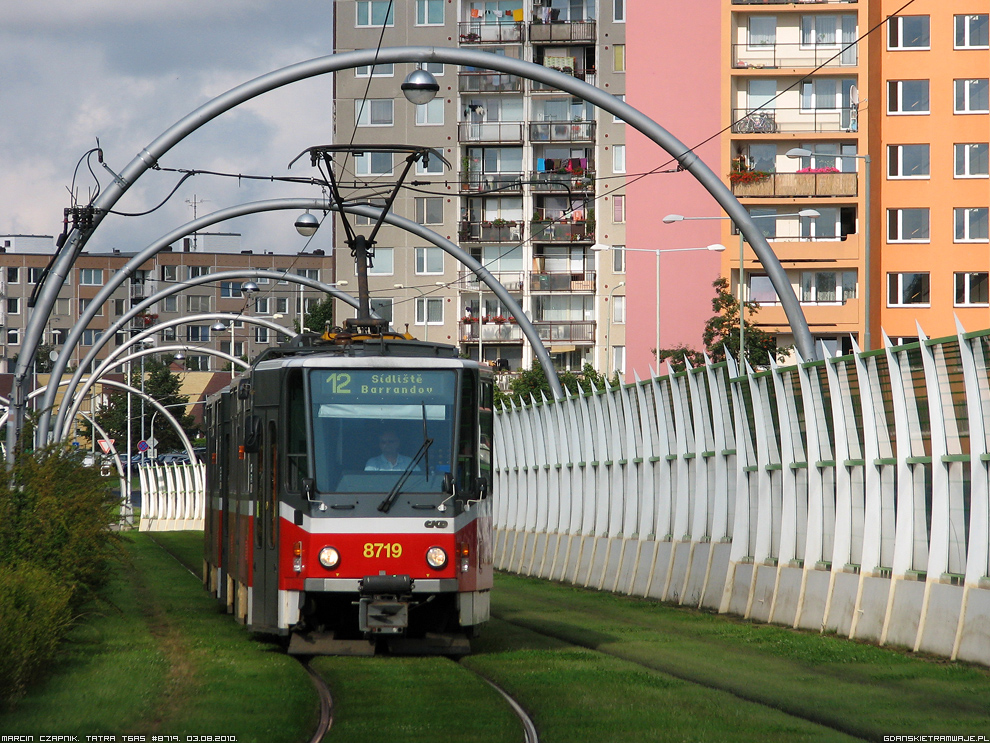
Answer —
34 615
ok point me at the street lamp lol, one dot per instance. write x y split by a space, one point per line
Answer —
307 224
420 87
716 247
808 213
797 152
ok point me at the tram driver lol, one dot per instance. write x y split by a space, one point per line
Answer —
390 459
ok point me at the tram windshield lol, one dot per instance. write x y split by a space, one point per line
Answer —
372 427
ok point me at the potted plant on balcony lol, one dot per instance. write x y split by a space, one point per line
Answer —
499 222
747 177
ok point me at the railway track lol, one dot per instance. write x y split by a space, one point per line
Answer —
326 701
530 735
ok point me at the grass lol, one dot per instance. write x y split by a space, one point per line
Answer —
159 659
860 689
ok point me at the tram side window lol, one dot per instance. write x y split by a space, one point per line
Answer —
296 451
467 435
486 419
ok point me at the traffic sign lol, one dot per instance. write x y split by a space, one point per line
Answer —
105 444
143 446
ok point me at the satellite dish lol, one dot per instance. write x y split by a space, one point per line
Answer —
53 355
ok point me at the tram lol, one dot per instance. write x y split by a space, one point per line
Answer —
349 488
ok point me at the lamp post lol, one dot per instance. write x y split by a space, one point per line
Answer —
716 247
801 152
809 213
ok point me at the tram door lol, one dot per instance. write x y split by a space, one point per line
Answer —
266 532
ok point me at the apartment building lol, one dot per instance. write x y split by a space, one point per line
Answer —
530 191
23 260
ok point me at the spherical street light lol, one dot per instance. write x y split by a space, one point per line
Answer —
249 287
420 87
307 224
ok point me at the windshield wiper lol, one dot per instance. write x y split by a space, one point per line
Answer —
386 504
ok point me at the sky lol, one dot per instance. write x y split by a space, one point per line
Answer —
123 72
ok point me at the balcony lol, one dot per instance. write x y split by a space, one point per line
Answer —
501 182
787 120
514 281
568 281
491 332
488 82
588 75
545 181
795 55
494 231
793 2
562 131
557 231
476 32
561 31
576 331
798 184
490 131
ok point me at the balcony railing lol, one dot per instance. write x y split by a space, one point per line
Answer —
490 131
785 120
562 31
477 32
488 82
566 331
494 231
502 182
512 280
799 184
542 180
567 281
491 332
562 131
771 56
589 76
792 2
554 231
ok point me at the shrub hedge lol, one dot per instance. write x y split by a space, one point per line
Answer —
56 552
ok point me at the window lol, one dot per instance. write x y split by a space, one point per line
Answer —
907 97
35 274
907 225
823 227
619 309
281 305
194 272
618 209
197 333
820 95
972 31
616 119
619 57
59 336
197 362
13 305
382 306
971 160
908 161
91 276
168 334
374 13
971 289
169 304
618 259
429 209
619 359
90 337
63 306
261 335
261 305
381 264
378 70
429 260
237 351
433 167
972 96
84 305
904 289
366 221
909 32
429 12
430 114
760 94
373 163
198 302
971 224
818 30
13 274
618 158
169 273
828 286
619 11
429 310
230 289
373 112
309 273
761 289
762 31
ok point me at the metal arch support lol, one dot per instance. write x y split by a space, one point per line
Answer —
148 158
109 364
59 368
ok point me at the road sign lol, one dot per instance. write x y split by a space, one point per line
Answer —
105 444
143 446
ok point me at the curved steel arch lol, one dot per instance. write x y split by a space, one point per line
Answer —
148 158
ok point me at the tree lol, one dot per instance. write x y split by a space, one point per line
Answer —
721 334
319 317
533 381
163 386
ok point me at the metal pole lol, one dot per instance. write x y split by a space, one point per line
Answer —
658 311
742 305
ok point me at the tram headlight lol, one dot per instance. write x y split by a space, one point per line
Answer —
436 558
329 557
